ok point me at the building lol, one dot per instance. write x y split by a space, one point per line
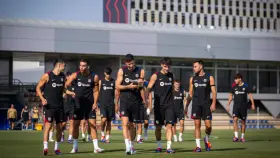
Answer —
231 36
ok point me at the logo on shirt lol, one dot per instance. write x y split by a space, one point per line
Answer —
73 89
49 118
61 79
126 80
205 80
170 79
165 84
75 116
112 84
238 92
200 85
177 98
105 88
54 85
136 75
89 80
181 94
243 89
83 85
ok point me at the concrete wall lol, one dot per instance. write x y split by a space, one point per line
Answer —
141 43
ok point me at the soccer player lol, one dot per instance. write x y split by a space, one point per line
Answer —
25 116
179 96
35 116
162 83
107 104
86 96
239 92
201 85
53 83
69 107
129 83
12 116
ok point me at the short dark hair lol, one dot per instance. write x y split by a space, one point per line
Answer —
128 58
108 70
177 80
238 76
200 62
58 61
84 61
166 61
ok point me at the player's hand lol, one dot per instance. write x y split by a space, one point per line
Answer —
73 94
44 102
64 95
213 107
132 86
253 107
94 107
228 107
140 82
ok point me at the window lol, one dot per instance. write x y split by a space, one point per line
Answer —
268 66
209 9
141 5
268 24
230 3
254 23
220 21
234 22
248 22
212 20
250 77
209 2
183 19
264 6
244 12
156 6
190 19
258 13
145 17
251 5
172 7
278 14
179 8
261 22
201 9
164 6
226 64
137 16
247 65
264 13
168 18
149 5
187 8
201 3
216 10
268 82
205 21
225 79
237 4
244 4
274 25
132 5
198 19
153 16
175 18
194 8
149 71
237 11
271 6
251 12
258 5
271 13
216 2
223 2
223 10
194 1
241 22
227 24
230 11
278 6
160 17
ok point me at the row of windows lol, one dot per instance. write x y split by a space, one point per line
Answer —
266 10
269 23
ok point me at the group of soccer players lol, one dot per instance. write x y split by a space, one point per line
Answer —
83 90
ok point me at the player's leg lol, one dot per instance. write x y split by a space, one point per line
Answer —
174 132
207 117
243 117
63 127
235 114
88 138
139 133
59 119
146 126
196 116
110 117
103 122
51 133
13 124
169 121
93 129
182 126
83 129
77 117
71 127
124 117
159 122
49 116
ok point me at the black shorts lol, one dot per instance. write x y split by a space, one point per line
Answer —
34 120
69 113
164 114
54 114
240 112
12 119
201 112
25 119
83 109
179 116
131 110
107 111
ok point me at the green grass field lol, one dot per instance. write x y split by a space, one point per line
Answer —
260 143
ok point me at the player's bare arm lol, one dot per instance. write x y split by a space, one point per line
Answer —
70 80
214 93
95 92
230 97
149 90
140 82
119 82
21 113
117 98
189 97
44 79
252 101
